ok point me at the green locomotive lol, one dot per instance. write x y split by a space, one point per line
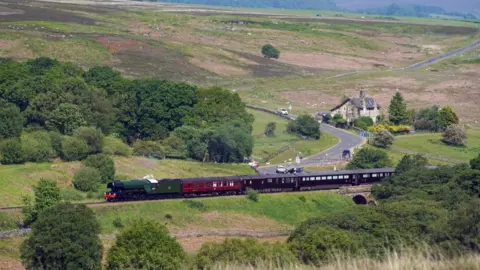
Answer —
142 188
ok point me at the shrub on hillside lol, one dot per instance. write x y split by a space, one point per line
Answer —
104 164
37 146
87 179
270 129
74 148
64 237
383 139
270 52
368 158
454 135
252 194
305 125
11 120
244 252
115 146
56 142
47 195
447 117
11 152
409 162
394 129
149 149
145 245
175 146
92 136
475 163
316 244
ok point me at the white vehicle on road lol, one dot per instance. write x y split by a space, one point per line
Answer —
282 111
281 169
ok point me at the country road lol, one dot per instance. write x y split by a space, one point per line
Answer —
419 64
347 140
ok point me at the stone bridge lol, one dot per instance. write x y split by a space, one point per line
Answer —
359 194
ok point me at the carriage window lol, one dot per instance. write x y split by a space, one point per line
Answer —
283 180
340 177
209 184
374 175
269 180
324 178
381 174
250 182
232 183
329 177
386 174
318 178
366 175
335 177
214 184
346 177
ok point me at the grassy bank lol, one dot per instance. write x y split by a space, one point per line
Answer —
272 211
17 180
431 144
265 146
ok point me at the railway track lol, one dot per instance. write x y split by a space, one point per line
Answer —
100 204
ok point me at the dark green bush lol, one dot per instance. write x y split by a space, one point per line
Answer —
145 245
11 152
117 223
149 149
11 120
246 252
37 146
56 142
92 136
368 158
64 237
363 122
87 179
383 139
104 164
195 204
71 195
270 52
252 194
115 146
317 244
74 148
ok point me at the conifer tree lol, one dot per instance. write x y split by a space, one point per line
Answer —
398 110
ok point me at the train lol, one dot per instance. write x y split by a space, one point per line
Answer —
151 188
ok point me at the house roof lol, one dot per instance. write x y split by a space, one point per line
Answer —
358 103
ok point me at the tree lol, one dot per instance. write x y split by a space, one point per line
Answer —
270 52
305 125
270 129
447 117
104 164
145 245
409 162
454 135
92 136
74 148
383 139
47 195
475 163
11 120
87 179
64 237
368 158
66 118
103 77
427 119
398 110
11 152
363 122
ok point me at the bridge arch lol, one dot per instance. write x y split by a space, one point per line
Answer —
360 199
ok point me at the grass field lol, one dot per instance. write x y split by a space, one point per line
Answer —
17 180
265 146
431 144
273 212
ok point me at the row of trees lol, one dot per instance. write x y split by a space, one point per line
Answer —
438 207
46 95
